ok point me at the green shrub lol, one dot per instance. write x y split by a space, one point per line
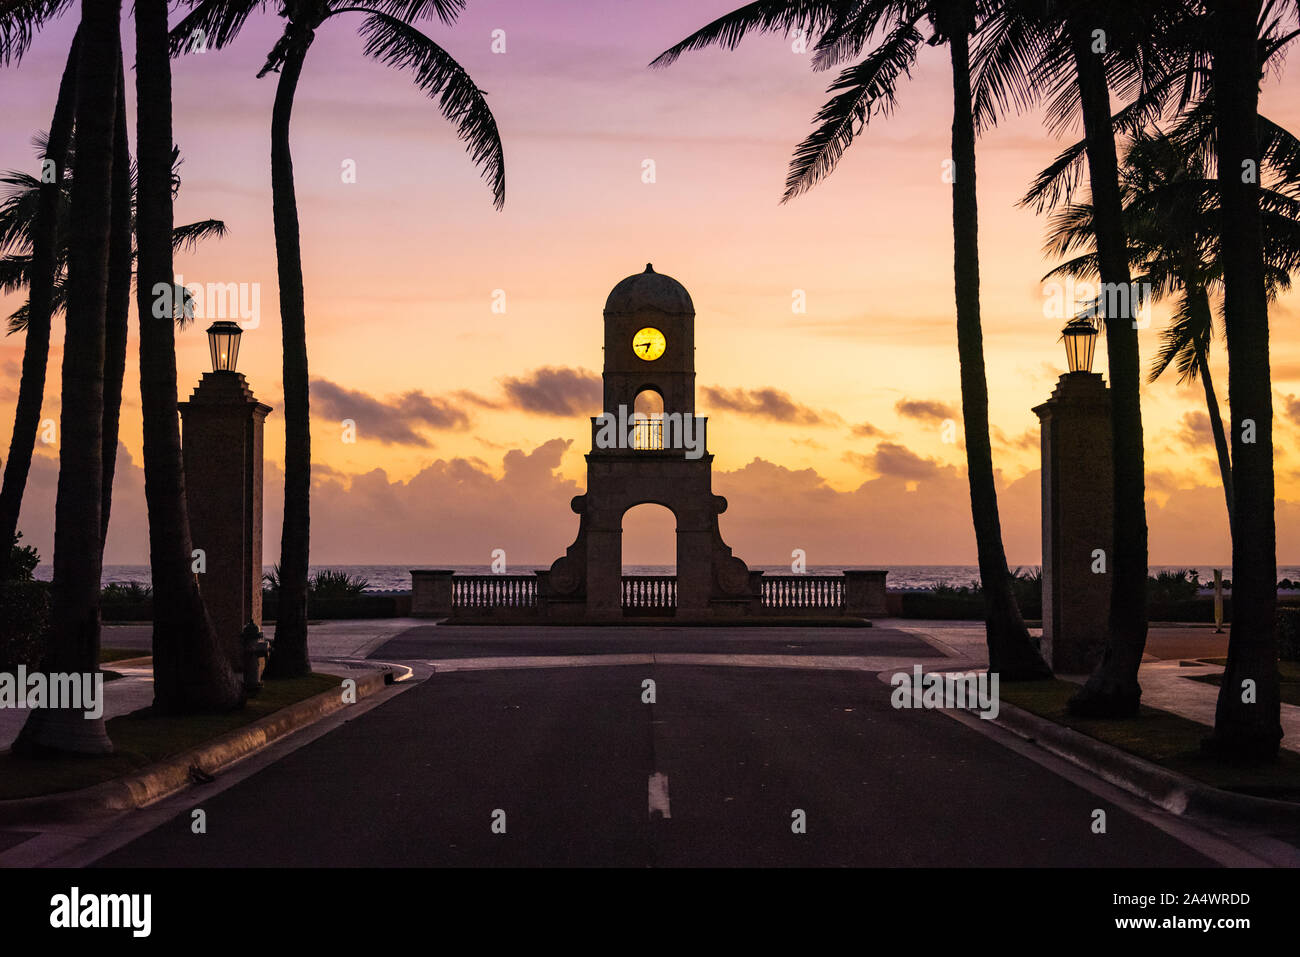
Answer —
23 560
126 593
1182 585
24 615
332 583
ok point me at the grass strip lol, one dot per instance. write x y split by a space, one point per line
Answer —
140 739
1162 738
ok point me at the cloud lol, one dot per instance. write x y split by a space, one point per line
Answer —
555 391
866 430
766 403
393 421
1194 429
894 460
926 410
1025 442
1291 409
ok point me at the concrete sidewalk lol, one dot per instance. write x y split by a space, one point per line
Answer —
337 648
1167 666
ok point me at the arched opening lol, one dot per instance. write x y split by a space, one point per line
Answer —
648 416
649 540
649 585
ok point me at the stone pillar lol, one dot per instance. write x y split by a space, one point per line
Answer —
694 571
431 592
755 606
1077 506
605 572
864 594
222 425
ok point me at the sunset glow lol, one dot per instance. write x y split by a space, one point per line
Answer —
465 343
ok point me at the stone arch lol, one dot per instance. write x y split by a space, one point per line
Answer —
643 541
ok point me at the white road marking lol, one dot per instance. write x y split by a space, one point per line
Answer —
659 795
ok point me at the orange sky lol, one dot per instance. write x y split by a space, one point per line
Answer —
402 265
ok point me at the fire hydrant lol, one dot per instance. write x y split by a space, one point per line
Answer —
256 650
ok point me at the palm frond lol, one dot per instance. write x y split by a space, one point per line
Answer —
211 23
1279 150
761 16
59 303
1180 342
14 273
1059 180
849 32
186 238
1008 49
440 77
868 89
411 10
19 21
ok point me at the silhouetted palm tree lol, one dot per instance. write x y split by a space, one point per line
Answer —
1171 217
18 226
1070 53
194 669
21 220
390 37
1247 721
861 91
18 21
73 639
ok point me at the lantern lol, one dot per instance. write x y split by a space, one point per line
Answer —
223 342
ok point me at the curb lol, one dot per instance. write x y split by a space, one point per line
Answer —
1174 792
164 778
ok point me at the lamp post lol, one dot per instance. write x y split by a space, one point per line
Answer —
222 426
1080 341
223 344
1077 504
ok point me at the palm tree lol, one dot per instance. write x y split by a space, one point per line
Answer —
862 90
1171 217
15 29
192 672
1071 52
19 210
391 38
73 638
1247 721
19 21
121 259
22 219
1113 689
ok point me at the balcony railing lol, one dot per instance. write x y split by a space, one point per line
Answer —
803 591
494 591
649 594
648 434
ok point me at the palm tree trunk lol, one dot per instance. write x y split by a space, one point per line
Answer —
1201 303
1247 720
191 671
289 657
36 349
1112 689
73 637
1012 653
119 305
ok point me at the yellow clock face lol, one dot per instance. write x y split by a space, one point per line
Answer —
649 344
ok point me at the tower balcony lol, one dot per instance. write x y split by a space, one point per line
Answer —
668 435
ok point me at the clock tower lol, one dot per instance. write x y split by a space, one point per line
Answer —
659 458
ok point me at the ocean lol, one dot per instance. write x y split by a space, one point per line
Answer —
387 578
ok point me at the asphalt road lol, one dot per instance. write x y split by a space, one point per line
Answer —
584 770
473 641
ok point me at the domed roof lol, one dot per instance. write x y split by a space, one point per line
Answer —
650 290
